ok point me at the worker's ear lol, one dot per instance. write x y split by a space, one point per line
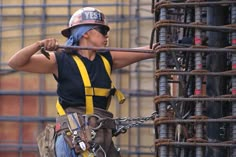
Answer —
86 35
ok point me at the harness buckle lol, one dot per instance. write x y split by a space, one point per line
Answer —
89 91
112 92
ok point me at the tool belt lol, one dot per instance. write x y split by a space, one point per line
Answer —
46 141
101 119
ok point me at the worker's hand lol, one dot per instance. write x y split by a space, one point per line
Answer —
49 44
45 45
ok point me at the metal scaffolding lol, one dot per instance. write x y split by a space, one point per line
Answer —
16 26
194 55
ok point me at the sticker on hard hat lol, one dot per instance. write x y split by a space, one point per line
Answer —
87 15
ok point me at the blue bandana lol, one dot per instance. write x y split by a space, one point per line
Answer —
77 33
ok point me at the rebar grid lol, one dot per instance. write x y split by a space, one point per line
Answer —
191 69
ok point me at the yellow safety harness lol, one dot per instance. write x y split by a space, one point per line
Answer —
92 91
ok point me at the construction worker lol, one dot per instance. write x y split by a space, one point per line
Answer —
77 93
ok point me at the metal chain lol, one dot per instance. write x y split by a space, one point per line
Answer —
123 124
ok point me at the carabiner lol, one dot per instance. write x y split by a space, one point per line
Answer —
120 130
96 148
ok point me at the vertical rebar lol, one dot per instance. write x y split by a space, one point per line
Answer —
21 99
198 81
233 21
163 83
137 15
41 99
156 18
118 74
1 24
130 80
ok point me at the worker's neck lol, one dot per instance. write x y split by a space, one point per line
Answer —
90 54
87 54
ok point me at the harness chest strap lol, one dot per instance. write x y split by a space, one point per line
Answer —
87 83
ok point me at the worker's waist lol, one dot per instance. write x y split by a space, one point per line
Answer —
101 118
82 110
79 106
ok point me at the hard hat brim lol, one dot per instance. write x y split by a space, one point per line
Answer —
67 32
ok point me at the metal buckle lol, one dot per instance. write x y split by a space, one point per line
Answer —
93 93
112 91
99 120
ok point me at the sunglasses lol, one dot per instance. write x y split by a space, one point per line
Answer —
102 30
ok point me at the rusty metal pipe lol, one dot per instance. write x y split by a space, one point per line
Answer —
105 49
161 49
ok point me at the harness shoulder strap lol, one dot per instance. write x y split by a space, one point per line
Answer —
119 95
107 65
87 83
60 110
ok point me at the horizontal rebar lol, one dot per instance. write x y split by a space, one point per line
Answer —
5 6
194 50
196 144
191 4
28 93
159 99
27 119
195 73
169 121
196 26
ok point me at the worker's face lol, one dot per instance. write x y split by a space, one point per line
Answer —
98 36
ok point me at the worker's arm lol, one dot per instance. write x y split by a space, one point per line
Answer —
122 59
27 60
